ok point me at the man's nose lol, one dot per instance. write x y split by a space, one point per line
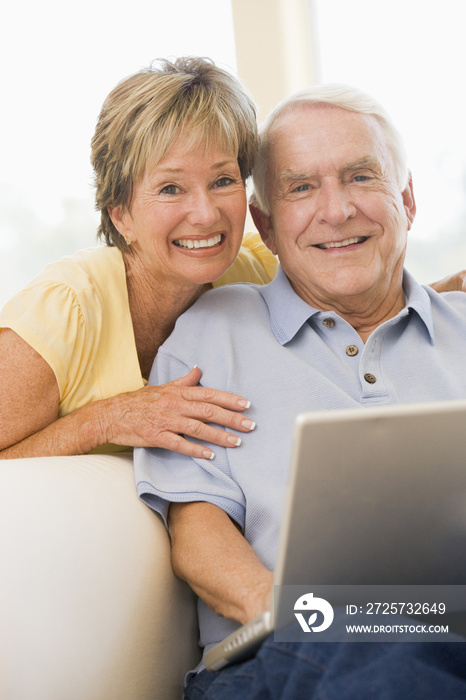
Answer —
334 204
203 210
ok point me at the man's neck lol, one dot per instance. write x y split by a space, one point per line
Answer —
365 324
364 312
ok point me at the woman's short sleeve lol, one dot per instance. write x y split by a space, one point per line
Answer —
48 316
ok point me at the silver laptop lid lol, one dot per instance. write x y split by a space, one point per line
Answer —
377 496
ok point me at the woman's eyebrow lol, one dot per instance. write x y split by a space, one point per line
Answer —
215 166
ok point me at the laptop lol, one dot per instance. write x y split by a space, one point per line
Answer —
376 496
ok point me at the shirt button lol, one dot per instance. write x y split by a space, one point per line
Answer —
329 322
370 378
352 350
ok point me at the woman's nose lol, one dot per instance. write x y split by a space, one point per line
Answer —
203 210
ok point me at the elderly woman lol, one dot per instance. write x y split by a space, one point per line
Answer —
172 150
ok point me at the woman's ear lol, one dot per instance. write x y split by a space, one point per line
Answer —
264 225
119 216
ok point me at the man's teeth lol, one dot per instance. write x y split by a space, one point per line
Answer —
342 244
196 243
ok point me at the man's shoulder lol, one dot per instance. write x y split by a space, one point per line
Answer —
223 317
231 300
453 300
236 290
431 305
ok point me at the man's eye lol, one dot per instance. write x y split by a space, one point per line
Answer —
301 188
361 178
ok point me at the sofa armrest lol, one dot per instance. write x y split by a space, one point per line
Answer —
89 606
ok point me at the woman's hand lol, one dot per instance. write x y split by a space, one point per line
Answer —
165 416
149 417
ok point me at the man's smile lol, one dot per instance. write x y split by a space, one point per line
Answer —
341 244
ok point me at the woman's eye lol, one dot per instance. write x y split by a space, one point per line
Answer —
170 189
361 178
223 182
301 188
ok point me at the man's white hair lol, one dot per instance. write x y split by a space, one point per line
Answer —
334 95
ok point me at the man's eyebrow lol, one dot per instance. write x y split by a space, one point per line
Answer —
292 176
370 162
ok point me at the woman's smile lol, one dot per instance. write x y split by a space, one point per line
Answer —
198 243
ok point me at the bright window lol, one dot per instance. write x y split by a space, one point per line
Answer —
59 61
411 54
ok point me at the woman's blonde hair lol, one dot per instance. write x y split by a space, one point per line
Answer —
146 112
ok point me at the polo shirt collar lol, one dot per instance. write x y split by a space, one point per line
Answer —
418 300
288 312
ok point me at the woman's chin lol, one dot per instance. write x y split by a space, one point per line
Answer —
207 270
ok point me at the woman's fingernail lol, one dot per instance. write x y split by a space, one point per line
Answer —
208 454
233 440
243 403
248 424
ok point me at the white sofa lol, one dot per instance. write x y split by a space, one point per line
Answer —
89 606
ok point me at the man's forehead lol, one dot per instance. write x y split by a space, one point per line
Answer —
307 111
307 135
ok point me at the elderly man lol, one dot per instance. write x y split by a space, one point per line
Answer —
342 325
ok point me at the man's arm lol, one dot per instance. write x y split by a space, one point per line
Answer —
211 554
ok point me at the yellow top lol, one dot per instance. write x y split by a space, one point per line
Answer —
76 315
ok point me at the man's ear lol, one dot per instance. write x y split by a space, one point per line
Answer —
263 223
409 202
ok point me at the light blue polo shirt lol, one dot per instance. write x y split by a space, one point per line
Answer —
266 344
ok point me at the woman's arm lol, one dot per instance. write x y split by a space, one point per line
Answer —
452 283
155 416
210 553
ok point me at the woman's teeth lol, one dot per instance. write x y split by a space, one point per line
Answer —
196 243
